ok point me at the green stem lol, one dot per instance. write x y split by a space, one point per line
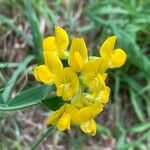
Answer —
40 140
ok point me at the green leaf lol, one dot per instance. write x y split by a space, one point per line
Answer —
136 142
137 107
27 98
121 141
53 103
1 99
9 65
140 127
14 77
34 25
42 137
108 10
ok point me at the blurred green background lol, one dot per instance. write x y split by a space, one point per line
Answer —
125 122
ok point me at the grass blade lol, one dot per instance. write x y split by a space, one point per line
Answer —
140 127
10 23
34 25
137 107
14 77
9 65
42 137
1 99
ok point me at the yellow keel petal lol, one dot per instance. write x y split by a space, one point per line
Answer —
64 122
118 58
89 127
42 74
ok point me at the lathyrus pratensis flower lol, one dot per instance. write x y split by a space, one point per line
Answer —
57 43
78 54
63 117
46 73
67 83
115 57
82 85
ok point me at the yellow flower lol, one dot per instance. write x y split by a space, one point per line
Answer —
116 58
64 122
89 127
98 83
100 92
82 84
57 43
78 56
88 112
63 117
79 100
92 69
102 96
42 74
67 83
94 77
46 73
84 117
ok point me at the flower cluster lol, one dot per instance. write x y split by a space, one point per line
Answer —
82 83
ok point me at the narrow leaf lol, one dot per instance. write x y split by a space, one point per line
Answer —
140 127
27 98
121 141
137 107
34 25
1 99
14 77
42 137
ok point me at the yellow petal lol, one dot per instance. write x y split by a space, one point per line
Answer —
42 73
49 44
98 83
53 119
67 83
93 68
72 111
89 112
52 61
118 58
89 127
101 80
65 91
77 63
78 100
107 47
63 117
62 39
78 56
64 122
103 96
78 45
